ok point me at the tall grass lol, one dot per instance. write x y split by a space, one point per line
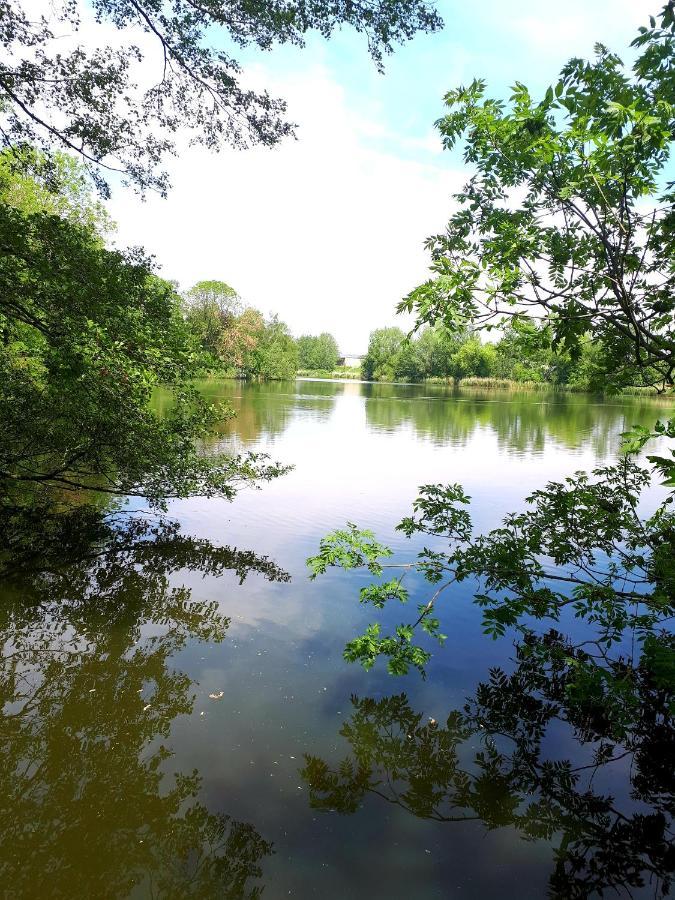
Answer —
506 384
339 372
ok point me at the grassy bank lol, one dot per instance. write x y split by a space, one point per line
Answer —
339 372
506 384
476 383
488 384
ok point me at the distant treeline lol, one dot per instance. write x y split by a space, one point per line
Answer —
525 352
242 342
237 340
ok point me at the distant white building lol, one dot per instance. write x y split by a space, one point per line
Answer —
353 360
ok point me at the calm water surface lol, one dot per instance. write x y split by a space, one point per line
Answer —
166 712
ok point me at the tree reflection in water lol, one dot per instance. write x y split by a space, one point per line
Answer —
519 776
88 698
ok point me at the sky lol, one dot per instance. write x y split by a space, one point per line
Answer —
328 230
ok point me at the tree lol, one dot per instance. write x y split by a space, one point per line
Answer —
408 363
105 105
438 348
55 184
215 295
434 352
383 344
275 356
554 222
210 306
524 352
240 338
86 334
474 358
317 352
581 252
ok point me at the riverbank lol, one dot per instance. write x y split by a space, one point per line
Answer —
339 372
488 384
350 373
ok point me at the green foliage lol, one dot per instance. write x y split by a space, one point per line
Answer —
210 306
349 548
317 352
435 353
275 356
89 102
556 222
474 358
565 222
438 348
233 340
379 594
86 335
383 345
524 353
580 545
55 184
408 362
636 439
401 653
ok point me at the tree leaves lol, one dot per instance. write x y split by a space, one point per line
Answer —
349 548
101 104
87 335
553 222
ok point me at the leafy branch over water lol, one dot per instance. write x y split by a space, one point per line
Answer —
563 223
581 545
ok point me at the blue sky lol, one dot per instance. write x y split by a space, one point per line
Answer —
524 40
328 230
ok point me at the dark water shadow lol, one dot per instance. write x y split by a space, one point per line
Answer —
588 769
89 695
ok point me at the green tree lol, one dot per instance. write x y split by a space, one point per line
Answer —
565 218
438 347
89 101
87 333
408 363
473 358
317 351
577 245
210 306
383 345
55 184
275 356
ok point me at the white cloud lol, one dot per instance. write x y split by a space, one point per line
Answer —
576 24
326 230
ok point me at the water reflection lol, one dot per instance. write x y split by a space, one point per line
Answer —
89 695
260 412
522 422
505 759
102 664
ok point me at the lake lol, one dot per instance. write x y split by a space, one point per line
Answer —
180 722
